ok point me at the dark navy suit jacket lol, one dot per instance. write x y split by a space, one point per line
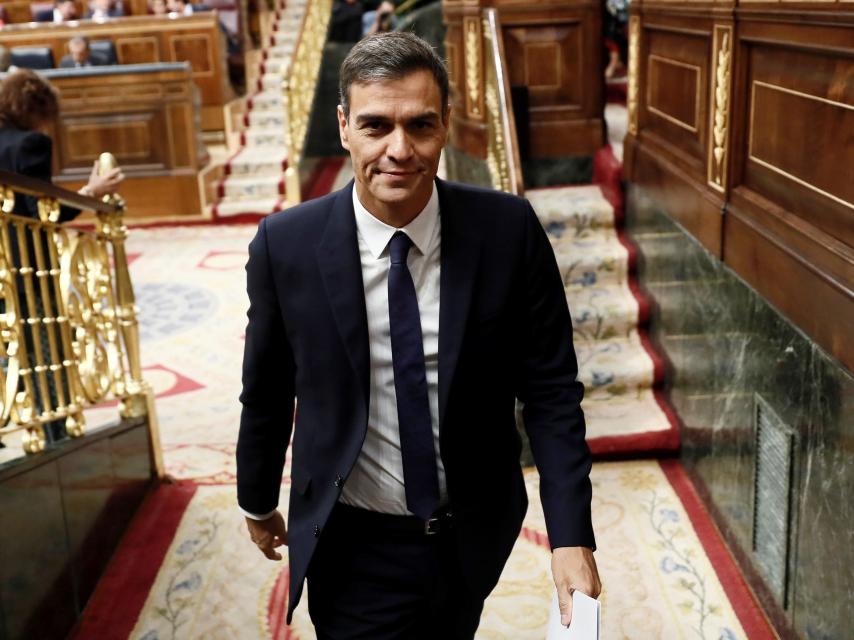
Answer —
504 333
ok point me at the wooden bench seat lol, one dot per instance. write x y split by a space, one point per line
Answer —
196 39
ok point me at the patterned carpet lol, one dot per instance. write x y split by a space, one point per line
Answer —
625 411
665 572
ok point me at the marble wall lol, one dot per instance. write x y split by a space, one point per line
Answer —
726 346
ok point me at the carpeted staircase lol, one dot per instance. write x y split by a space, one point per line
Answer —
253 180
626 414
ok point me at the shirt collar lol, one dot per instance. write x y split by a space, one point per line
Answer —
377 233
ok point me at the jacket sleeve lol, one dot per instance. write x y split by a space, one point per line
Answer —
35 160
266 420
552 397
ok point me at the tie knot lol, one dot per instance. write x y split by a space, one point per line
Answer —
398 247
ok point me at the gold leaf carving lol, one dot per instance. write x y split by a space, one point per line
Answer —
473 68
634 53
719 129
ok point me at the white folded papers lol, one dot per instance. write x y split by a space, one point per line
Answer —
585 619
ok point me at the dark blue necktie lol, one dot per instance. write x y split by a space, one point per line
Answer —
420 477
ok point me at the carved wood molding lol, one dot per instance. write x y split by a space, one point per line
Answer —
472 45
634 62
720 108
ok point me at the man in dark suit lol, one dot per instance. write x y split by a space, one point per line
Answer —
80 54
406 315
63 11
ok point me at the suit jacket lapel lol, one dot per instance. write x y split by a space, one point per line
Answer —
460 253
341 269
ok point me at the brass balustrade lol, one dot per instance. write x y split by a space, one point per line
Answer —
69 335
502 151
299 81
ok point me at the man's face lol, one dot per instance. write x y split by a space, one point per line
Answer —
103 5
176 6
79 51
68 10
395 134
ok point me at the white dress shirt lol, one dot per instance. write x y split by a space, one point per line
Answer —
376 480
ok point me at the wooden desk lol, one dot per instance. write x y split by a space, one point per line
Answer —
196 39
145 116
18 11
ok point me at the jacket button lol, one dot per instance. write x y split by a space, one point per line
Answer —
338 481
316 530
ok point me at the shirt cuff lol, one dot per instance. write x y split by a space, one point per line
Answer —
257 516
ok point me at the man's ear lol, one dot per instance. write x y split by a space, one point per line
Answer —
343 130
446 122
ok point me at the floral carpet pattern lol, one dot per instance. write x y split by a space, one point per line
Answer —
625 413
659 583
213 583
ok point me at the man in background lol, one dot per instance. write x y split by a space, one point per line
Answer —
80 55
103 9
63 11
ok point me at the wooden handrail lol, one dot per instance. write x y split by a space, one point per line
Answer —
40 189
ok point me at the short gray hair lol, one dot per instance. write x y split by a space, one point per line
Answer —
390 56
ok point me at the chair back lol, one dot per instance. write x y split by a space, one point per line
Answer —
33 57
104 49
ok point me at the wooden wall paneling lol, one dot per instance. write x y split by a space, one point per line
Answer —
674 100
145 39
18 11
554 49
672 115
136 7
821 305
137 49
790 232
468 131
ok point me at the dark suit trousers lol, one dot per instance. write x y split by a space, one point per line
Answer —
374 583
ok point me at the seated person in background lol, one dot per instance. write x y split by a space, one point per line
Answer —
80 55
158 7
63 11
184 8
101 9
29 106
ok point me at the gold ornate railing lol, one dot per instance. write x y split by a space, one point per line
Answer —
69 335
299 81
502 152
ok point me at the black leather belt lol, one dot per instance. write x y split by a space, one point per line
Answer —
365 520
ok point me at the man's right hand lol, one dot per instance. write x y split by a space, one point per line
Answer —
269 534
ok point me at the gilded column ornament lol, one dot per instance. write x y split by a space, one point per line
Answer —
17 379
473 67
298 81
634 61
720 117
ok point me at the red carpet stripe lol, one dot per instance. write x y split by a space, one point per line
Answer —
113 609
741 598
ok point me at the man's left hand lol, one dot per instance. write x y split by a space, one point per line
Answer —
574 568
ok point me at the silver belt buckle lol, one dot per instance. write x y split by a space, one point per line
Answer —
431 527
